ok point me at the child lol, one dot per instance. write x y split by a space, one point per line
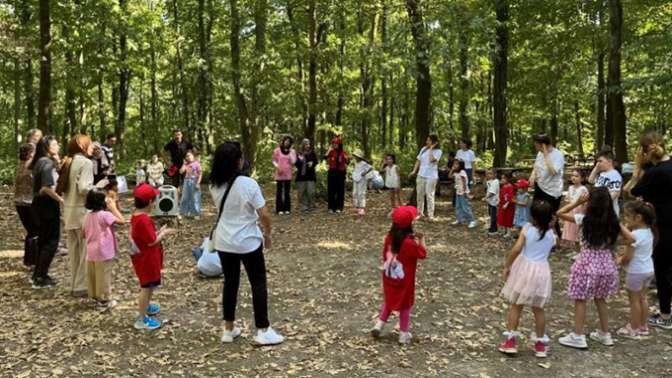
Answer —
594 275
528 277
506 209
463 210
570 231
360 181
640 218
523 202
140 175
401 251
148 258
101 245
155 172
492 198
190 204
392 180
284 157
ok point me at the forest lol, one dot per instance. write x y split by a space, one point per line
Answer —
382 73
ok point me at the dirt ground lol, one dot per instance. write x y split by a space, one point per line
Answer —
324 283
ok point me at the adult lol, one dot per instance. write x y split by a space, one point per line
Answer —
97 158
337 161
177 148
46 208
75 182
427 171
306 177
547 174
23 198
284 158
238 238
652 180
34 136
469 158
605 175
108 164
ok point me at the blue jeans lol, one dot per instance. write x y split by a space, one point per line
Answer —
492 210
463 209
191 198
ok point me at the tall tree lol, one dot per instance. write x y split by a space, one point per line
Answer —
124 77
44 102
423 80
600 90
500 81
464 80
616 108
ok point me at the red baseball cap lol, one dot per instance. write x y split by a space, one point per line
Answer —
403 216
522 184
337 140
145 192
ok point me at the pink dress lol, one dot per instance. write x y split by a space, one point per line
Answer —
283 164
570 231
101 244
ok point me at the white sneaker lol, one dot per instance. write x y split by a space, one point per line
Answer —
378 328
574 341
472 224
456 223
602 338
229 336
405 338
268 337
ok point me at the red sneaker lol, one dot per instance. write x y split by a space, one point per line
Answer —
508 346
540 349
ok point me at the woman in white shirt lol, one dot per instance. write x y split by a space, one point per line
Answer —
427 171
469 158
238 238
547 175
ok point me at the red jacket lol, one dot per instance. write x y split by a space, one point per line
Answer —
337 160
149 262
505 216
400 294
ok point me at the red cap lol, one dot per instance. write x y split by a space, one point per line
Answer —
145 192
522 184
403 216
337 140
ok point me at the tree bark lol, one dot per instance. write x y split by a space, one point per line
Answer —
367 78
186 111
124 81
70 102
579 129
383 83
616 115
44 102
17 104
25 15
500 82
423 80
464 83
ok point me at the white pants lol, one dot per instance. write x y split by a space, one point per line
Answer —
359 193
425 187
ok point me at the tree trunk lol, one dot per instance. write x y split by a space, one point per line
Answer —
186 111
124 81
616 115
500 81
70 102
44 102
341 69
154 98
464 84
367 78
301 98
451 94
25 14
313 40
579 131
17 104
383 83
423 80
600 138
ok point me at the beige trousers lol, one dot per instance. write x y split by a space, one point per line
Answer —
77 255
425 187
100 279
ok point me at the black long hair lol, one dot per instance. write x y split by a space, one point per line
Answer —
645 209
225 163
398 236
285 150
541 213
600 225
95 200
42 149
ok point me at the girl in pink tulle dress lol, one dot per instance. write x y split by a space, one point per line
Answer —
570 230
528 277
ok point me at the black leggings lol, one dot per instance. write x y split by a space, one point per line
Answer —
256 272
336 189
540 195
47 213
30 242
283 200
662 265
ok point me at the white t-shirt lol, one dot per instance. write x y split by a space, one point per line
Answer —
468 157
392 177
360 171
461 180
551 185
642 262
613 181
428 169
492 194
237 230
535 249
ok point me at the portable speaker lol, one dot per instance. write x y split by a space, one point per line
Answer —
166 202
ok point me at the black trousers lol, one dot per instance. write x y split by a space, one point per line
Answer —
47 214
283 200
662 266
540 195
256 273
336 189
492 211
30 242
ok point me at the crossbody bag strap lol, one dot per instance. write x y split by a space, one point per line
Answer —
221 205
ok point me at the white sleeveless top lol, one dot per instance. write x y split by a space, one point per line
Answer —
391 177
535 249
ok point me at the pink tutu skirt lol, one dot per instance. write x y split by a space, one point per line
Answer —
594 275
529 283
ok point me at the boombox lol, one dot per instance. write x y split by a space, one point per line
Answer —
167 204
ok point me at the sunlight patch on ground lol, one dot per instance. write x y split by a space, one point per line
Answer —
9 274
334 244
11 253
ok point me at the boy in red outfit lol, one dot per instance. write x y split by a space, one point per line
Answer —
401 252
147 258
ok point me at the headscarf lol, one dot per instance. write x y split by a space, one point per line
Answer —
79 144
